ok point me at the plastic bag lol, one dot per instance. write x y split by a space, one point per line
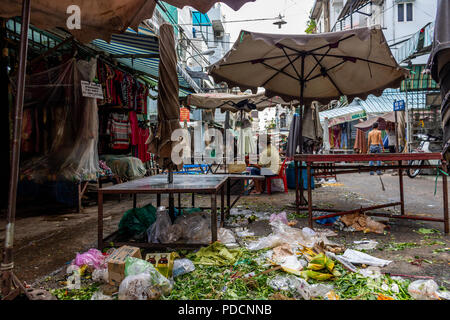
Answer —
196 228
182 266
135 287
281 217
138 287
158 232
297 286
358 257
281 233
100 275
423 290
365 244
98 295
92 258
225 236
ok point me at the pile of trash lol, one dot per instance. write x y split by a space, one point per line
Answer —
291 263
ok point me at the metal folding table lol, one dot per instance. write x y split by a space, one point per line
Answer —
359 164
213 184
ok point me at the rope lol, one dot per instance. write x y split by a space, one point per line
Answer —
439 170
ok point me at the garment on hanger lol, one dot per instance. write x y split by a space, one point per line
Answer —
119 130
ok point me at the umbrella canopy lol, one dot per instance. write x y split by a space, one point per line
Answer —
100 18
235 102
168 105
319 67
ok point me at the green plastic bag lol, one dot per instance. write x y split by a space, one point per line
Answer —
136 221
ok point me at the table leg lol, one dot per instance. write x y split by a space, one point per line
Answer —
100 221
222 206
297 202
134 201
158 199
310 213
445 196
193 200
179 202
171 206
214 217
228 197
402 193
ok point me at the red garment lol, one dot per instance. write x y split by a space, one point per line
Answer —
134 127
143 154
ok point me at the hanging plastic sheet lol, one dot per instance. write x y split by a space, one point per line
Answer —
72 154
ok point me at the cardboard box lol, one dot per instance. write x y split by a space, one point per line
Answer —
163 262
116 263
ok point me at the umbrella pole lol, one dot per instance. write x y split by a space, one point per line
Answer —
302 100
7 265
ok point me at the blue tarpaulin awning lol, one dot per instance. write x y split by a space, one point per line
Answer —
143 42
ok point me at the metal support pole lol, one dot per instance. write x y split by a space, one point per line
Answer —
396 133
214 217
193 200
100 221
445 196
222 206
297 200
228 197
310 212
7 264
134 201
158 200
402 193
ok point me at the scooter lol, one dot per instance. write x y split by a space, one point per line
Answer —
425 146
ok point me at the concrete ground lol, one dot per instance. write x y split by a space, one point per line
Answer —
46 240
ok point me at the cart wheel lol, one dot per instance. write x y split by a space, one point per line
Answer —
412 173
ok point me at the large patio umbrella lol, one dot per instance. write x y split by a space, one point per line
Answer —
439 63
99 18
318 67
160 143
235 102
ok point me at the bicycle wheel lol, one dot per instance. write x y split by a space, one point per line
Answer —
412 173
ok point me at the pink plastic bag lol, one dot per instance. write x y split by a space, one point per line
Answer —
93 258
281 216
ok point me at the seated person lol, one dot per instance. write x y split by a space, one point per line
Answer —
269 165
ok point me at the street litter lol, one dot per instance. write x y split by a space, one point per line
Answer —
182 266
299 287
163 262
216 254
92 258
358 257
364 223
424 290
279 217
365 244
226 236
143 281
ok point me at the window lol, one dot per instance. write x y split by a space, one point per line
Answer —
401 12
409 12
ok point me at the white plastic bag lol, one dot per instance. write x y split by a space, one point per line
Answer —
100 275
281 217
225 236
98 295
158 231
182 266
358 257
135 287
423 290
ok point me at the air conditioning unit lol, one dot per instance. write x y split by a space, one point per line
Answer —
218 34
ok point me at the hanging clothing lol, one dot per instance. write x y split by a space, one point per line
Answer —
119 130
360 142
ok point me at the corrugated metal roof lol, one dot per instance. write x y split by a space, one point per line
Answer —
385 103
339 112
